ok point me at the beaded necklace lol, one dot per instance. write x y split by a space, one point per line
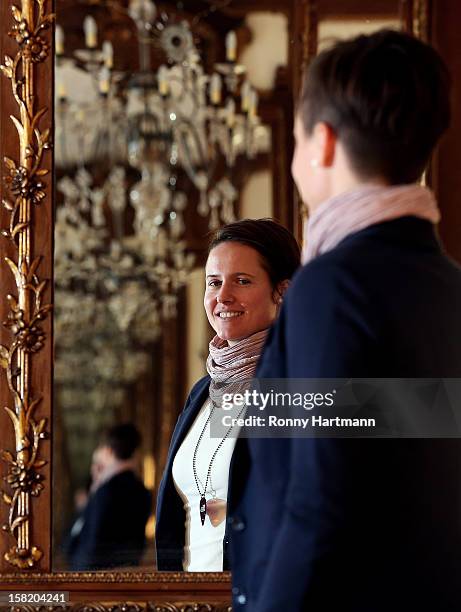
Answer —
202 506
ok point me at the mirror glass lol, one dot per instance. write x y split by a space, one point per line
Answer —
164 127
170 121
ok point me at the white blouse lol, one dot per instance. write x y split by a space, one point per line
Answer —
203 550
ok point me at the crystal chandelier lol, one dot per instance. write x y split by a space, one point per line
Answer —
135 152
138 155
169 126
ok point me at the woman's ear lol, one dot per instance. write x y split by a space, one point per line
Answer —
324 140
280 290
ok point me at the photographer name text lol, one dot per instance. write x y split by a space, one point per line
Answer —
276 421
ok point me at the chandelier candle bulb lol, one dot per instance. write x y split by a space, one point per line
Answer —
245 95
162 77
253 104
59 40
108 54
215 88
104 81
91 32
231 46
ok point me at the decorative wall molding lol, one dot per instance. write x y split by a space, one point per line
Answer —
136 578
24 182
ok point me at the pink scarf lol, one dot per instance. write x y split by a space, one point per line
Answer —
227 364
355 210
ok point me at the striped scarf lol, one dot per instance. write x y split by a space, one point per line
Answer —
350 212
228 366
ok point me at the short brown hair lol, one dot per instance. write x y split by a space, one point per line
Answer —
122 439
386 96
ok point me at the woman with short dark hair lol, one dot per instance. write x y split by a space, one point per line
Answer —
248 269
361 525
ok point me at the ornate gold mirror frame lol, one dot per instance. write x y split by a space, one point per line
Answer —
26 356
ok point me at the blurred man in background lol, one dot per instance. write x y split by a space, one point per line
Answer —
110 532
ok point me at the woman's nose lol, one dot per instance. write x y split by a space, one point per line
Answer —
224 294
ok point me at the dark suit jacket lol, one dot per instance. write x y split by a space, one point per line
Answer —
357 525
113 532
171 518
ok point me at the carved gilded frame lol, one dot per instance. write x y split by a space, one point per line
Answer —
27 310
26 221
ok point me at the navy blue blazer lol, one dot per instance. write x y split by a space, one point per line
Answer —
114 524
357 525
171 517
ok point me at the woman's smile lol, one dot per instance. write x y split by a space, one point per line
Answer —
229 314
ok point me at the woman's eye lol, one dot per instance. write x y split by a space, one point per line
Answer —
243 281
214 283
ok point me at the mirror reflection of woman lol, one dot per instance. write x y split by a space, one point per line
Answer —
249 266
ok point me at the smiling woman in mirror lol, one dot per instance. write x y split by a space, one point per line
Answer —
249 267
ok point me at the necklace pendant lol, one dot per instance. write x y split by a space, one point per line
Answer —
202 509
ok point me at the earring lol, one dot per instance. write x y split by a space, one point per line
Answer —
314 163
